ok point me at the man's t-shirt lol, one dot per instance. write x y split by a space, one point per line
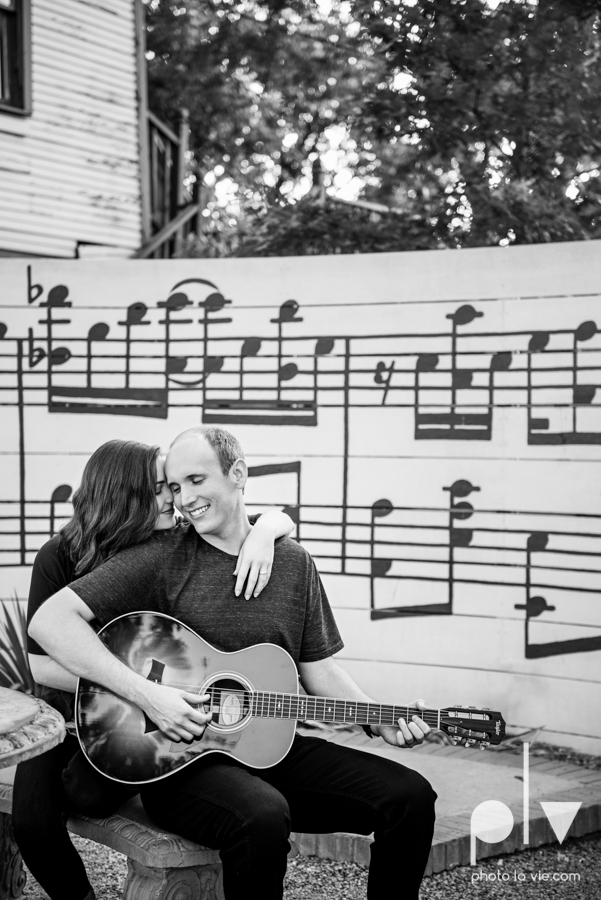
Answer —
180 574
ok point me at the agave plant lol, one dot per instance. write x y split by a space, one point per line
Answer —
14 665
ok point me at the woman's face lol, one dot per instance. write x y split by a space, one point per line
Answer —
165 508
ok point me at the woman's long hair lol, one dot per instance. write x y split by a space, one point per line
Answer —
115 504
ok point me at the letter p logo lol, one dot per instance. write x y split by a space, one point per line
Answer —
492 822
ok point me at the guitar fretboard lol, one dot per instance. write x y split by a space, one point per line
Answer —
270 704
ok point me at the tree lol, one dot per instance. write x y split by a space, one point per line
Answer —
480 122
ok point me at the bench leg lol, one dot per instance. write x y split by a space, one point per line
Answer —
195 883
12 873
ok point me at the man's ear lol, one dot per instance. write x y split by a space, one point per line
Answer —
239 474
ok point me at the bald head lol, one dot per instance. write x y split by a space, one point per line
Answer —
227 448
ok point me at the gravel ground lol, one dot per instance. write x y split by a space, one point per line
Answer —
316 879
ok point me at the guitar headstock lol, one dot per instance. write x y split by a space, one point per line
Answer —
468 725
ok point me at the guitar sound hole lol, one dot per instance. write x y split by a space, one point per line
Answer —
230 703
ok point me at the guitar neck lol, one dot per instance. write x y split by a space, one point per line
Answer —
273 705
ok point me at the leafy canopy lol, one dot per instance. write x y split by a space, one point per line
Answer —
479 121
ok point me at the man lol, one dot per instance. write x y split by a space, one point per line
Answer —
319 786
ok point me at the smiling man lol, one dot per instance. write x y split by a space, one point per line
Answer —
216 801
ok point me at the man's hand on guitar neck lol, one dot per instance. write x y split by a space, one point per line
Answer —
326 678
408 734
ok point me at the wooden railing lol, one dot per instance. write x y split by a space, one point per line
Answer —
173 210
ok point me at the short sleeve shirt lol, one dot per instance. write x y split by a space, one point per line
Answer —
180 574
53 569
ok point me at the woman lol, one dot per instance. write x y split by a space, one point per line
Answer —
123 498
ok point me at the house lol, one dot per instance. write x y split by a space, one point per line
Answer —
85 169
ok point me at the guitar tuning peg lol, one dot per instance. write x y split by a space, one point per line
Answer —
484 745
469 742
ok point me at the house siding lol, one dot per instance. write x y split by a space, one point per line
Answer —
70 172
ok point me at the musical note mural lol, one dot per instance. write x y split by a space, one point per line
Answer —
438 439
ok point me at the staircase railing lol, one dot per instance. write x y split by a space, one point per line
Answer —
174 209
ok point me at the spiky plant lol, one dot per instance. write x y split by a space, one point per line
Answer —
14 665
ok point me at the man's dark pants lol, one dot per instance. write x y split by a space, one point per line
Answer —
319 787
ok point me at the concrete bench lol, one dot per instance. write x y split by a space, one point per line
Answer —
160 865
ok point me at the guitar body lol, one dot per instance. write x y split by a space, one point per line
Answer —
254 704
121 742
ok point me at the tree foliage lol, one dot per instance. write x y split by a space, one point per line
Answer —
479 121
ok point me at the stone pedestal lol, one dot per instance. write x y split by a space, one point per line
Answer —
12 874
193 883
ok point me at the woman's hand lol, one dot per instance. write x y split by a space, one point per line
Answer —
256 554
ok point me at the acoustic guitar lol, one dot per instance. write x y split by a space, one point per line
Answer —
250 721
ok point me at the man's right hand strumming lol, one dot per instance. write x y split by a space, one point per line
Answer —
61 627
175 712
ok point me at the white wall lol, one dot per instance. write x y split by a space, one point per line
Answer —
70 172
534 526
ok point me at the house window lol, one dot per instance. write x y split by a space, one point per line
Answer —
15 45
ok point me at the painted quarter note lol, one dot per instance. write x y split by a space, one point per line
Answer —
265 409
452 422
537 343
56 356
288 313
60 494
379 566
323 347
583 394
135 315
175 303
124 401
250 348
536 606
459 510
98 332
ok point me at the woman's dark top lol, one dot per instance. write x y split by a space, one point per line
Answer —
53 569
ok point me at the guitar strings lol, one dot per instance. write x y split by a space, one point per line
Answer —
388 714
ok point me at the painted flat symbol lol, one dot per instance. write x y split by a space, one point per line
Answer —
560 816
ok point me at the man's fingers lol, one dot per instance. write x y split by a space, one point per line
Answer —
196 712
423 727
405 737
410 733
417 732
195 699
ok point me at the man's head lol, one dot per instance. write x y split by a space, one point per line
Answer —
206 471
